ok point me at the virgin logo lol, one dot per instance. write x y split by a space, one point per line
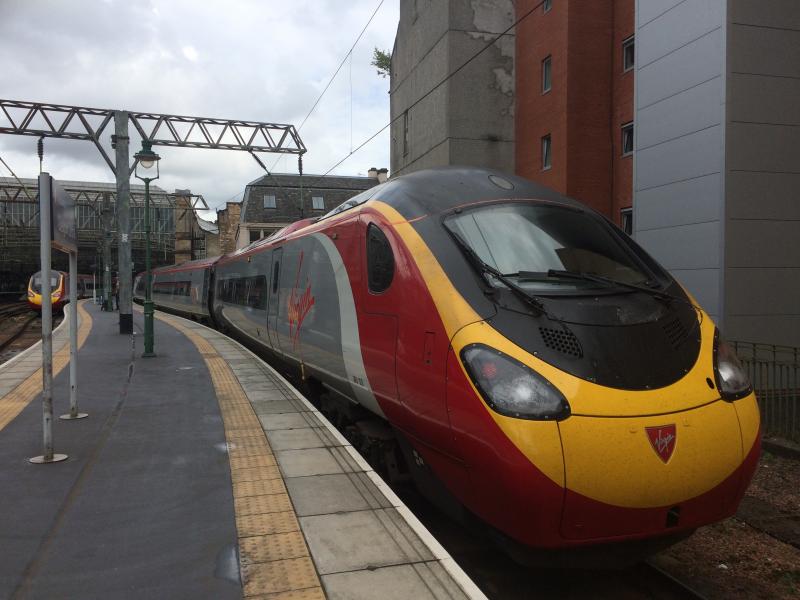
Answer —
662 439
298 305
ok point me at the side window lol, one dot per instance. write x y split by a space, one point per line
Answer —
380 260
256 296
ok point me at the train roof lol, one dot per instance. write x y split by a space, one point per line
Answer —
432 191
189 265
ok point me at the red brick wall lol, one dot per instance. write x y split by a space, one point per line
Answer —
622 108
589 100
537 114
589 165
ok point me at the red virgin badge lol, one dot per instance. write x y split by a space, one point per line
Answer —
662 439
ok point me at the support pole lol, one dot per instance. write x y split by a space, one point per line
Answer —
125 268
148 299
107 218
47 327
73 341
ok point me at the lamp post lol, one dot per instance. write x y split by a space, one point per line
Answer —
145 159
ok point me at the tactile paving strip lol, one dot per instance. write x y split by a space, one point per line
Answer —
17 399
273 555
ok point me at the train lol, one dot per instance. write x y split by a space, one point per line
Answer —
59 289
513 352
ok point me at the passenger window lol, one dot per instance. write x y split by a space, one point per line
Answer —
380 260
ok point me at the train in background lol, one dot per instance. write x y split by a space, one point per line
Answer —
516 354
59 289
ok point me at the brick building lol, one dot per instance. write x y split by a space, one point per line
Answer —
574 100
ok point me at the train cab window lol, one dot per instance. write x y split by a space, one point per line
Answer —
380 260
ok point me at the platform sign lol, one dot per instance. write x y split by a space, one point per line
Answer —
64 231
57 230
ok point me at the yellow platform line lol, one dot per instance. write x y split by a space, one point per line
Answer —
273 555
17 399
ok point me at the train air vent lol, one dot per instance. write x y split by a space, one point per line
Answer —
562 341
676 332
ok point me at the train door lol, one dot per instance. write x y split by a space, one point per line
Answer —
378 324
273 303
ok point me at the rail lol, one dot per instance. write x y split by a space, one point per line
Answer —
775 373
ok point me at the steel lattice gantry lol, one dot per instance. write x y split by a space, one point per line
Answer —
95 219
89 124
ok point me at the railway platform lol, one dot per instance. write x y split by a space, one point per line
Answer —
200 473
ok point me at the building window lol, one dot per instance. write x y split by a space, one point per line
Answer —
546 152
628 54
255 235
269 201
627 139
546 63
626 220
547 5
405 133
317 203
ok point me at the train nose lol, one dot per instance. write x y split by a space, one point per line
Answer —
650 474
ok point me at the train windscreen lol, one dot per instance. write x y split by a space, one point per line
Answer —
540 246
37 283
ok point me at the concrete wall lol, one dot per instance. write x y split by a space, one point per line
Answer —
762 253
469 119
679 163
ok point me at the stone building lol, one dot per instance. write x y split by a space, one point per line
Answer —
228 226
468 120
273 201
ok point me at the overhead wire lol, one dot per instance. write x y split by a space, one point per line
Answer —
336 72
433 89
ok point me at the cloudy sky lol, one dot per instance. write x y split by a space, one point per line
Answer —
259 60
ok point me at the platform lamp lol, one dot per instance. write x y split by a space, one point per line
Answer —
145 159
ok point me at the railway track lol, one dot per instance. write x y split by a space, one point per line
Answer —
660 584
12 309
19 328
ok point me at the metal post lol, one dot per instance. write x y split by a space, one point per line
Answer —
148 278
123 221
107 218
47 327
73 341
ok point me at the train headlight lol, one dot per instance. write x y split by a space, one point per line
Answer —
733 381
511 388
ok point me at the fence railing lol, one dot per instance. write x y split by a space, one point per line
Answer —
775 373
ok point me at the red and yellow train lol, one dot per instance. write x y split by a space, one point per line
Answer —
536 368
59 289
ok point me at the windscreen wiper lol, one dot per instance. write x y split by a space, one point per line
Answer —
483 268
608 281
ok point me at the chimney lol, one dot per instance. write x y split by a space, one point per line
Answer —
373 172
383 175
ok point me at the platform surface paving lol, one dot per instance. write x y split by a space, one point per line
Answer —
200 473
